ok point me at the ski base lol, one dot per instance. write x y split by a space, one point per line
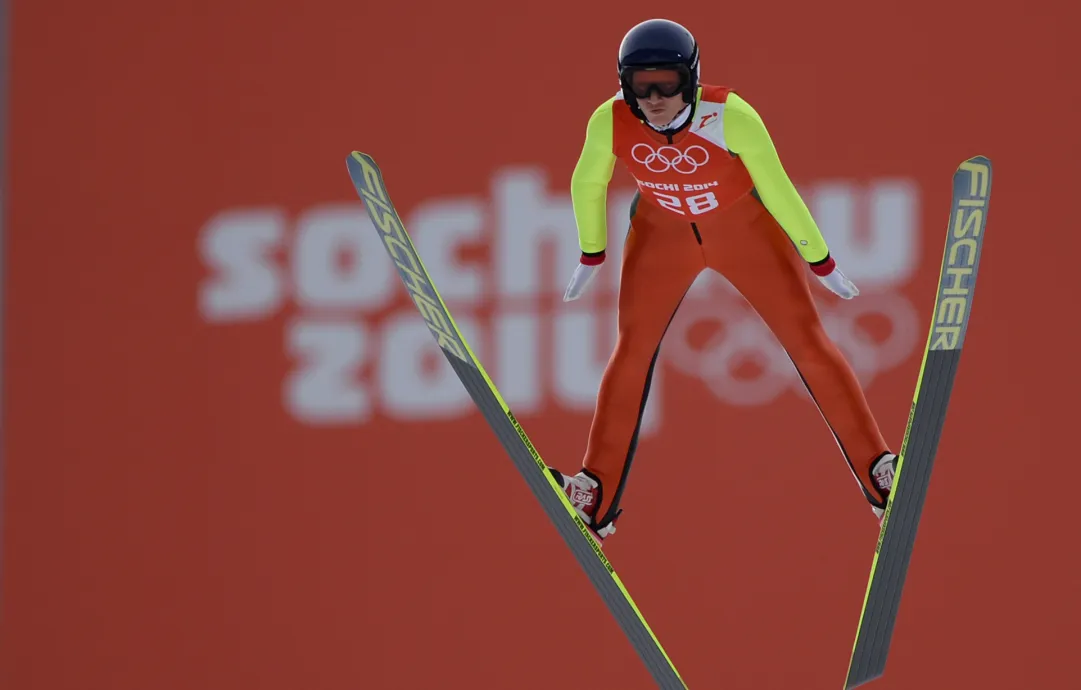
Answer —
927 416
368 182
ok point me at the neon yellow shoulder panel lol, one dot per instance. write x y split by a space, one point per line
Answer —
589 181
746 135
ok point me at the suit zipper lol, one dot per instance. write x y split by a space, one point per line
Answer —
694 226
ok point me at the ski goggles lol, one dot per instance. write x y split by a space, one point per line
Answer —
666 81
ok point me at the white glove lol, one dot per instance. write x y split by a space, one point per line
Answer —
839 284
583 276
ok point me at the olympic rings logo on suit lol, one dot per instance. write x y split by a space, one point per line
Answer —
670 158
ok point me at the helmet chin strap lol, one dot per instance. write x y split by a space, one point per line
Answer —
676 122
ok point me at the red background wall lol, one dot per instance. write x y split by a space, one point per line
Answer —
169 524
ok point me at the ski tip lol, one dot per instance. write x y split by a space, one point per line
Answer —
359 156
361 164
974 174
976 160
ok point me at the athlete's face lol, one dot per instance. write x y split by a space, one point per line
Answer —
657 92
660 110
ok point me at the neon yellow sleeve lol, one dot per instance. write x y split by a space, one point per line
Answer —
589 182
746 135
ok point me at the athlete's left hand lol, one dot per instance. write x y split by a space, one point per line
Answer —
839 284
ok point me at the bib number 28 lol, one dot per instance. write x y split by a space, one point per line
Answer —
697 204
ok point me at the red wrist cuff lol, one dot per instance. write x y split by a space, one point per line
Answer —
824 267
593 259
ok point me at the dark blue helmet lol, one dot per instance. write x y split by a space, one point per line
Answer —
659 44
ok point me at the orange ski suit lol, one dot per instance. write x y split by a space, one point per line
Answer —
711 196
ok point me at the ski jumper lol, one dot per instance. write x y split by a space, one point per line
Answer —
711 196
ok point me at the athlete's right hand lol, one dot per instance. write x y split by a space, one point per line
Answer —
583 276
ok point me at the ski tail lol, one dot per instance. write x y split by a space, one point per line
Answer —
927 416
368 181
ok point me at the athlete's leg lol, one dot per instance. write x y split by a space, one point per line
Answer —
660 262
754 253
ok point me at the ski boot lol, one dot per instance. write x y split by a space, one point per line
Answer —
881 472
583 491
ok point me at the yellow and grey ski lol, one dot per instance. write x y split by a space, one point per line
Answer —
927 415
368 181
